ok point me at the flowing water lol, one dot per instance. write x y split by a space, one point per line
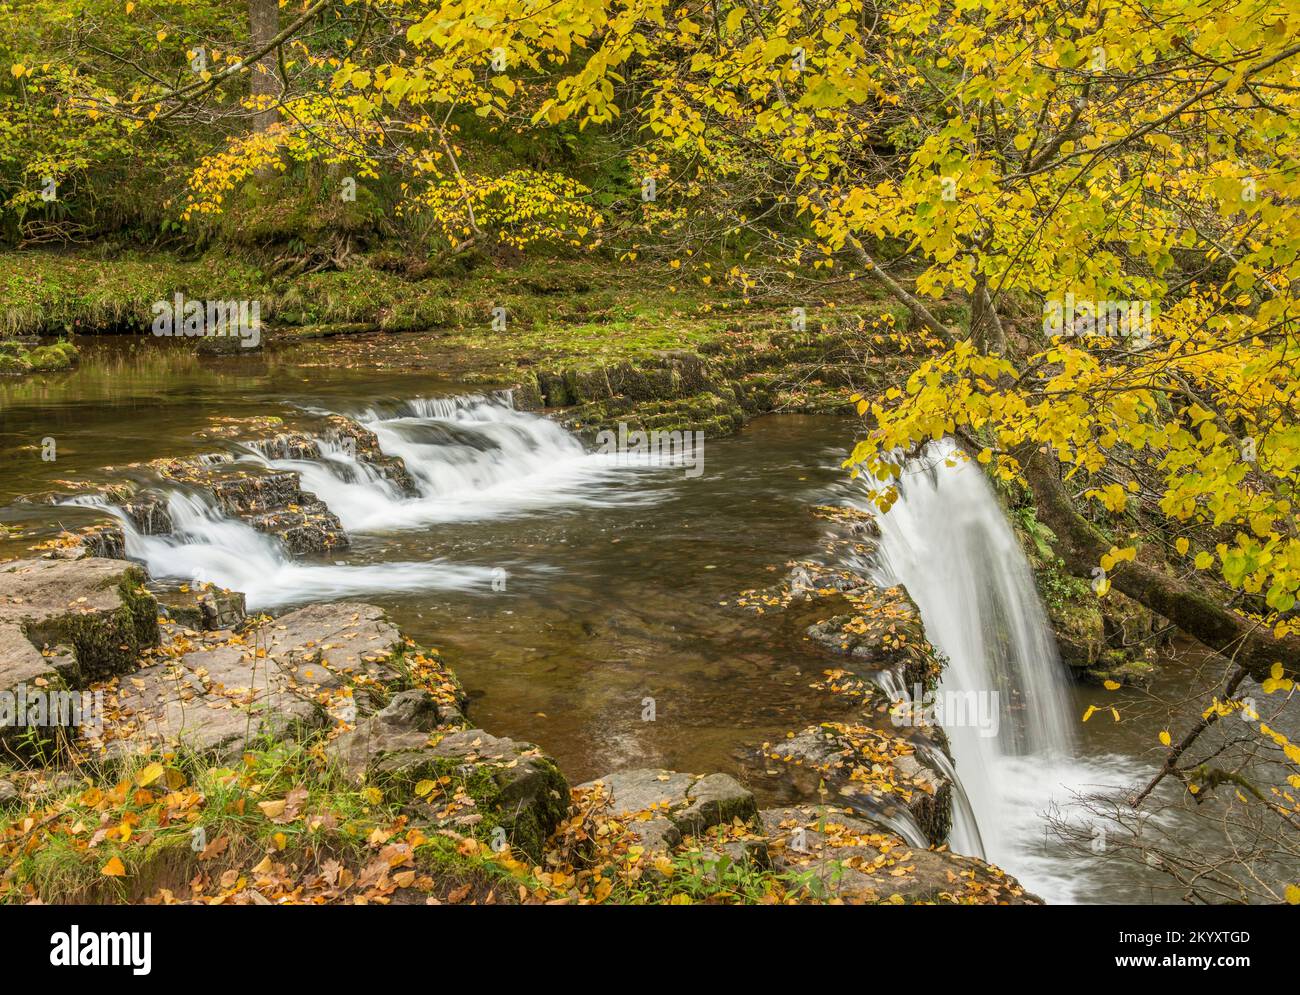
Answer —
947 541
568 587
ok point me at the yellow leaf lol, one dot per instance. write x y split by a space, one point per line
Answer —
273 809
425 787
150 774
161 36
1165 738
1088 714
1111 685
1292 894
113 869
1181 545
17 69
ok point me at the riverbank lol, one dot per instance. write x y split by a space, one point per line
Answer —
321 756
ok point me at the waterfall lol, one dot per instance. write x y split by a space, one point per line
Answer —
471 457
947 541
206 546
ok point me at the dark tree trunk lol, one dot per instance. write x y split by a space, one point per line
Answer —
1081 546
264 25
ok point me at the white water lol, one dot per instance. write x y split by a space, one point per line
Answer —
206 546
947 541
471 457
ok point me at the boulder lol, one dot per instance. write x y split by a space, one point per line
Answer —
405 723
513 784
96 609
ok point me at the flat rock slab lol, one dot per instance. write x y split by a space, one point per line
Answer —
224 690
92 613
662 806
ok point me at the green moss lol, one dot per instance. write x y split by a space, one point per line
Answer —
105 644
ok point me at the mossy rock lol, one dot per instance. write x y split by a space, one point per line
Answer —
513 785
41 359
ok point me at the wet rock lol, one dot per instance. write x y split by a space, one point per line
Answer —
201 608
847 858
527 396
98 608
311 529
1119 667
879 774
364 445
148 513
255 493
514 783
104 542
271 501
288 446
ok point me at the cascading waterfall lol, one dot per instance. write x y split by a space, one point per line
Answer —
948 543
206 546
472 457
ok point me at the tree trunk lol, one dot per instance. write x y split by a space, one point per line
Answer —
1081 546
264 25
